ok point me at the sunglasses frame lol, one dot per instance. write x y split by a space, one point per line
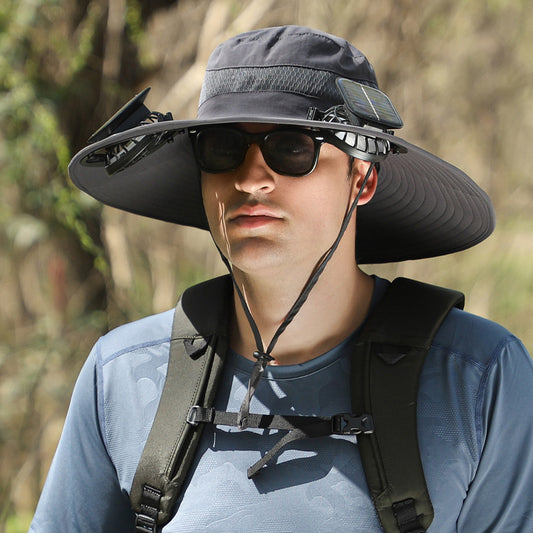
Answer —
317 136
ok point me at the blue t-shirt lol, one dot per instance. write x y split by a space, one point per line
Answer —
475 424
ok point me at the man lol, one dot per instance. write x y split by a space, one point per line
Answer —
283 157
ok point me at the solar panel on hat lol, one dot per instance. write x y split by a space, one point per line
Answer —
368 105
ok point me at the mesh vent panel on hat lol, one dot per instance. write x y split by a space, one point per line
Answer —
283 78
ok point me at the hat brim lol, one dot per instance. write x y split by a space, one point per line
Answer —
423 206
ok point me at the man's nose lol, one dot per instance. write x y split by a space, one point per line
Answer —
254 174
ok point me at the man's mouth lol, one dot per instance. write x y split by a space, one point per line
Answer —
253 216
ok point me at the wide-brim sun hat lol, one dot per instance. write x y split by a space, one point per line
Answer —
423 206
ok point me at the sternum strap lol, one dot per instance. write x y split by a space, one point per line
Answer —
298 427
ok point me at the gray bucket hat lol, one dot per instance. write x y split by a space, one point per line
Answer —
288 75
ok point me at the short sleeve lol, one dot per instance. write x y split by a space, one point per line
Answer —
500 497
82 492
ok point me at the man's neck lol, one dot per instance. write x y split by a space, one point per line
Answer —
336 306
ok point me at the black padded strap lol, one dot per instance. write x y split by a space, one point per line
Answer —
197 350
388 359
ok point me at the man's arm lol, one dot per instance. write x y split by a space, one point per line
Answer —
500 497
82 492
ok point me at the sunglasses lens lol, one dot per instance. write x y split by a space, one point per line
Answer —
290 153
220 149
287 152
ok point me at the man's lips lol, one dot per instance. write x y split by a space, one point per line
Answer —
253 216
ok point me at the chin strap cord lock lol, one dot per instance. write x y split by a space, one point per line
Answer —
257 372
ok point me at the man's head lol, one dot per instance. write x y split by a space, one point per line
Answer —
291 77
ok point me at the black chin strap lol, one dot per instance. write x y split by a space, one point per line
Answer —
263 357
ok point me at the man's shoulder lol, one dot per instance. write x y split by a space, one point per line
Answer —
133 336
474 338
463 331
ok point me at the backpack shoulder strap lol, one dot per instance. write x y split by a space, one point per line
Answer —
386 366
197 351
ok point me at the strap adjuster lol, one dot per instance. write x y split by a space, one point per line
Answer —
145 524
192 415
146 519
199 414
349 424
407 519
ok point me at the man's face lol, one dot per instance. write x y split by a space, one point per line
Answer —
264 221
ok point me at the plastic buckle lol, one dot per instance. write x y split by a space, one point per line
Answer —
192 415
199 414
349 424
145 524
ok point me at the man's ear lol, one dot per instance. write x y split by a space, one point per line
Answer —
360 168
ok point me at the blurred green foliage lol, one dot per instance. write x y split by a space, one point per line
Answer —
44 225
37 66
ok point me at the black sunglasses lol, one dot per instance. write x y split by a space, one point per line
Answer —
287 151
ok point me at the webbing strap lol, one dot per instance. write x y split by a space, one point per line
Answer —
406 516
314 426
198 347
299 427
387 362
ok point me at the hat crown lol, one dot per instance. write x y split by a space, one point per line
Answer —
280 71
